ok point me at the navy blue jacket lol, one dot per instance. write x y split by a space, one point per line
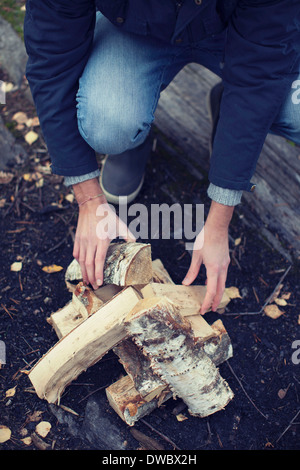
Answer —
261 60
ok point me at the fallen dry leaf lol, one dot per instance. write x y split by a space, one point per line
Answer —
282 302
237 241
31 137
20 117
5 433
27 441
17 266
2 202
273 311
233 292
35 416
10 392
43 428
181 417
5 177
53 268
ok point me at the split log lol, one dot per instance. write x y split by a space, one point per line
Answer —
188 298
83 346
165 336
84 302
126 264
218 348
142 391
128 403
160 274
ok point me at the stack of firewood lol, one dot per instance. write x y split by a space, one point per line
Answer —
166 347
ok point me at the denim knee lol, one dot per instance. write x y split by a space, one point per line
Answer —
110 132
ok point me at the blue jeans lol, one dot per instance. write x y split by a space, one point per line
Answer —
125 74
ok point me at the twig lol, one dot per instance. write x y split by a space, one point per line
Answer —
160 434
277 285
266 302
288 427
241 385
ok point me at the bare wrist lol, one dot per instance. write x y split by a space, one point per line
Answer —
88 190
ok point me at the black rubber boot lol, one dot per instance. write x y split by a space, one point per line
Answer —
213 106
123 174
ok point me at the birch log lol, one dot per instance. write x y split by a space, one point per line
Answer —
126 264
157 327
83 346
188 298
128 403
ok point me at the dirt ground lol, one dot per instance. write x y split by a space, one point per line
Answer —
36 227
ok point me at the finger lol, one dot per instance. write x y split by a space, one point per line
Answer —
193 269
99 263
90 265
220 289
81 261
211 290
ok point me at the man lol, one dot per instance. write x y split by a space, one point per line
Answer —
96 70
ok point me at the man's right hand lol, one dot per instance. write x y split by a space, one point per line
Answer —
97 226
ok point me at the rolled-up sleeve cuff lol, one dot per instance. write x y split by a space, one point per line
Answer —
228 197
70 180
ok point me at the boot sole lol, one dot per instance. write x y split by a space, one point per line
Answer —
114 199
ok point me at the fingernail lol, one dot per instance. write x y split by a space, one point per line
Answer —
99 282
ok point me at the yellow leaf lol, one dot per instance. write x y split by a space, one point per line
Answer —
181 417
282 302
53 268
17 266
5 433
10 392
20 117
43 428
5 177
27 441
233 292
273 311
237 241
31 137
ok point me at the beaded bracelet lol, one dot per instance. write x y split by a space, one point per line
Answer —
90 198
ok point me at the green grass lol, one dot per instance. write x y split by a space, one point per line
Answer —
11 12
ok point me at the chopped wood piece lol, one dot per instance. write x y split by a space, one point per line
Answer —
160 274
156 326
126 264
138 367
128 403
84 302
148 386
188 298
83 346
218 348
